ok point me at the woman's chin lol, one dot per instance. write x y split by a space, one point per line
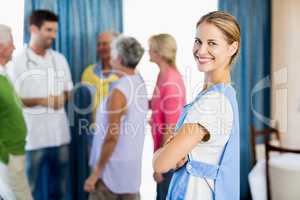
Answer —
203 68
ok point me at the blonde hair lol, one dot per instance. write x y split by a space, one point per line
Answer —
227 24
165 46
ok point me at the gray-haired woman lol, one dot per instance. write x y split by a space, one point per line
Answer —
117 152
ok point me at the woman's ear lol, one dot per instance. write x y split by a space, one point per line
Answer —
233 48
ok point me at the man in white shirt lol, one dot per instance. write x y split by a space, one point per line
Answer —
43 81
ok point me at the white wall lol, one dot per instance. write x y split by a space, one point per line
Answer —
143 18
11 14
286 69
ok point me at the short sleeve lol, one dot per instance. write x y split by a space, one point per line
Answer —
16 68
172 101
65 73
17 73
123 85
214 112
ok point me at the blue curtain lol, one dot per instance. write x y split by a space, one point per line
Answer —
80 21
251 73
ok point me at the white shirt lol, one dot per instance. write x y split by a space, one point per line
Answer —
122 173
214 112
36 76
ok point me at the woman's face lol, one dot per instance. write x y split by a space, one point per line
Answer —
152 54
211 50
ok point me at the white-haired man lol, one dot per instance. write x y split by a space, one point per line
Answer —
13 129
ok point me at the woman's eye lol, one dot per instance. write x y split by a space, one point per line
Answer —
212 43
197 41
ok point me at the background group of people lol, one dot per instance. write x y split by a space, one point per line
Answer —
41 107
34 123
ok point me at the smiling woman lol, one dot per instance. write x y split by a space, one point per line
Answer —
164 17
213 52
207 132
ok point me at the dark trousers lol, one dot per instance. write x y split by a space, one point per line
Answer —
162 188
47 171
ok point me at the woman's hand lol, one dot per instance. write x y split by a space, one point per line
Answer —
56 102
90 183
175 151
181 162
169 140
158 177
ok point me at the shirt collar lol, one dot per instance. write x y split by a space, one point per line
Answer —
98 68
98 71
35 57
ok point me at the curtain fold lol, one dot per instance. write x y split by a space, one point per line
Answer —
80 21
251 73
79 24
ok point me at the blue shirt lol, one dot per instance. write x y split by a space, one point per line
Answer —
212 172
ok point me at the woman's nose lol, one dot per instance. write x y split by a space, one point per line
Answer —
202 49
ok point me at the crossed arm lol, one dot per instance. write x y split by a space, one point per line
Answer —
175 151
55 102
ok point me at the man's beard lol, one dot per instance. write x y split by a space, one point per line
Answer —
47 45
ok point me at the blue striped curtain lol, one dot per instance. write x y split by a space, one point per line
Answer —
251 73
80 21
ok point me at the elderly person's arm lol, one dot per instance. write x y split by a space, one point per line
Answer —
116 108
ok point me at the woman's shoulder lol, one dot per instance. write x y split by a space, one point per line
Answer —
210 106
211 101
217 93
225 89
172 79
172 74
124 81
